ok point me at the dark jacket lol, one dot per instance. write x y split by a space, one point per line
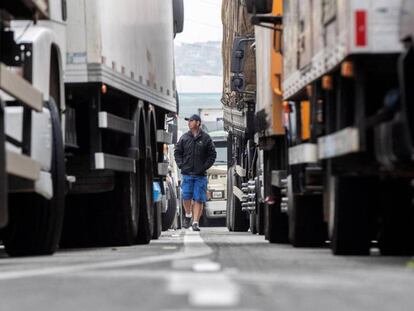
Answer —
195 155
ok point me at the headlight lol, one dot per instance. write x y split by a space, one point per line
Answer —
217 194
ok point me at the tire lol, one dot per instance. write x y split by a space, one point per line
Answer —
349 213
229 202
35 223
253 222
145 177
157 221
180 211
276 224
169 216
396 232
259 199
306 225
239 221
204 221
260 218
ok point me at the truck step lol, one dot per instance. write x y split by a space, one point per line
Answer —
163 169
164 137
240 171
115 123
112 162
239 194
279 178
21 165
19 88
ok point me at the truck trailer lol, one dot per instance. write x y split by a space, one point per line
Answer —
120 89
101 76
338 165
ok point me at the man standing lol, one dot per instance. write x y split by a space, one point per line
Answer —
194 154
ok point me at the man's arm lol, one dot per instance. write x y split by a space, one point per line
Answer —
211 154
179 153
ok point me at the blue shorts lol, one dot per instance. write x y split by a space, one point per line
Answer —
194 188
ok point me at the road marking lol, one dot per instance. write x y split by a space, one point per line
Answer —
198 250
170 247
207 286
206 266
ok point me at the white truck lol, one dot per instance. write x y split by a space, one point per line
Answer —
32 169
120 87
104 71
211 118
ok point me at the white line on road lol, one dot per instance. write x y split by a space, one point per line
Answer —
207 286
196 251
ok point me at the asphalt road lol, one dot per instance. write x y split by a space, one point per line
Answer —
214 270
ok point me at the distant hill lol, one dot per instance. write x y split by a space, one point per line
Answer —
198 59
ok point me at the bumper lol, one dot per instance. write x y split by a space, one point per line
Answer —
215 209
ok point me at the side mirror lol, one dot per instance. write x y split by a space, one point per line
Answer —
178 16
237 55
172 128
237 83
64 10
259 6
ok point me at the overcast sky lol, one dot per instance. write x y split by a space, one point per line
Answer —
202 21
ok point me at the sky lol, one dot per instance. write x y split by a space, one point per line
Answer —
202 21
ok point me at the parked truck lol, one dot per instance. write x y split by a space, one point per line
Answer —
340 167
32 169
120 87
104 72
253 116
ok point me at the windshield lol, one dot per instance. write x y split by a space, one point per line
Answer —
221 155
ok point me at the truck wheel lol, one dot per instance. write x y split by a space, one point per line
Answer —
204 222
145 175
169 215
229 201
239 220
349 221
260 218
157 221
306 225
36 223
259 198
396 235
253 222
276 224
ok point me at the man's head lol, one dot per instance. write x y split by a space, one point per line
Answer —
194 122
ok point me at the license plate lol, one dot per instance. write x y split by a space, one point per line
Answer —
219 212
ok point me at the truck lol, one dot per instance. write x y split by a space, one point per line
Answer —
120 92
215 207
32 169
211 118
342 170
253 116
105 73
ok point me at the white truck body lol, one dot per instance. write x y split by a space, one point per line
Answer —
211 114
47 32
123 44
321 34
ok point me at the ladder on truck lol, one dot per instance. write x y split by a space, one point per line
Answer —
15 164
